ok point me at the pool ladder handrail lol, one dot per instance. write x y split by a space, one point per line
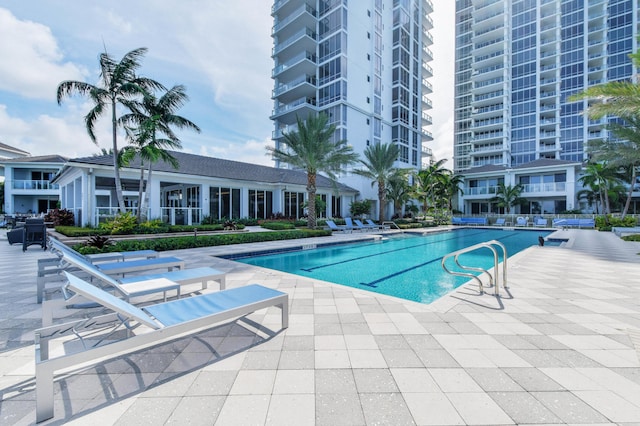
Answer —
487 244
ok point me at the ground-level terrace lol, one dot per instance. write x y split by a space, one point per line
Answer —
561 347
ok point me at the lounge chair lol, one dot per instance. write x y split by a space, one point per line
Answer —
115 268
522 221
145 327
500 221
364 226
337 228
381 226
122 255
139 285
541 222
349 224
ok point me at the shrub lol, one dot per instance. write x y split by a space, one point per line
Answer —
627 222
99 242
186 242
123 223
359 208
278 226
632 237
155 226
60 217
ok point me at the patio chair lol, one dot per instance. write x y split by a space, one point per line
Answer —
35 232
349 224
522 221
364 226
541 222
500 221
145 327
380 226
337 228
139 285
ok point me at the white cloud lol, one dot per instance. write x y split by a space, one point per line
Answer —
45 134
251 151
32 62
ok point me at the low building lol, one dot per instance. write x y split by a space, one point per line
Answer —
201 186
549 187
28 188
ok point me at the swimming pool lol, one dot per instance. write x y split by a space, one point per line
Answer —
405 266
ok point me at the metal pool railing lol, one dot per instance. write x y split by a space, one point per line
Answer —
491 245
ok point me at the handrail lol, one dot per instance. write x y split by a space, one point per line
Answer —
490 245
390 223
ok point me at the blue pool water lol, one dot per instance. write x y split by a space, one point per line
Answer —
405 266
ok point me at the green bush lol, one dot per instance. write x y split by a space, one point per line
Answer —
123 223
632 237
278 225
76 231
186 242
59 217
627 222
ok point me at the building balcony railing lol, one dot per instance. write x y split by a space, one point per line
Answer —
305 8
288 42
36 185
544 187
310 79
292 105
481 190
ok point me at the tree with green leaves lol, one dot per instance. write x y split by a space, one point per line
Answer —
399 192
426 182
508 196
119 83
450 186
153 117
379 167
599 177
312 149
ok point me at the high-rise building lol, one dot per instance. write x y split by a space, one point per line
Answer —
517 64
365 64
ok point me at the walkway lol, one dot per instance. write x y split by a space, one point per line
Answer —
557 348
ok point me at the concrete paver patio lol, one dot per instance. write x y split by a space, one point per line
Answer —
560 347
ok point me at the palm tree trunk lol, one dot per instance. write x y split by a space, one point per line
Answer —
147 192
116 166
630 194
382 199
311 205
140 185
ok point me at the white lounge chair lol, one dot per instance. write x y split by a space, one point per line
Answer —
147 326
121 255
139 285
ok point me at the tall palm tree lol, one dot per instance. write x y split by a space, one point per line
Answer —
311 148
508 196
155 116
378 163
426 183
118 84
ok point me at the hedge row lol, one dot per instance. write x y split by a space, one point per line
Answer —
74 231
186 242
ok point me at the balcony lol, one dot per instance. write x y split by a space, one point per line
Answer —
306 61
426 135
544 187
286 113
305 14
34 185
480 190
303 85
305 36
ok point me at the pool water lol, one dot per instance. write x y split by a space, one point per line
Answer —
405 266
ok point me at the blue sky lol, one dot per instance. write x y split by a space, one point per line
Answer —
220 50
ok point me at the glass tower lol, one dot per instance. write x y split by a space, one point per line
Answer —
518 62
363 63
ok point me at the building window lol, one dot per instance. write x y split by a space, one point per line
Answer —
293 202
260 204
224 203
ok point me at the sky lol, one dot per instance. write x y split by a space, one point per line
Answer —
219 49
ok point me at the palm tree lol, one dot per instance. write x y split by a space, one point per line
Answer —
590 196
378 163
508 196
426 183
311 148
451 186
155 116
399 192
599 177
118 84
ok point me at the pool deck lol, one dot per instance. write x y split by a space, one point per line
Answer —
561 346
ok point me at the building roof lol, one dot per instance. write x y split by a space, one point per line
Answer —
198 165
12 149
38 159
541 162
